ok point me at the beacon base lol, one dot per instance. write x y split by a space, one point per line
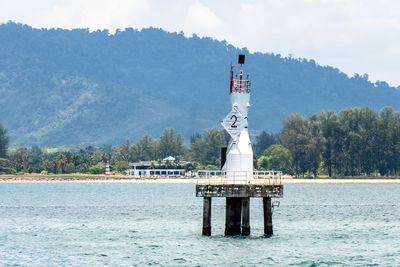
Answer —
237 218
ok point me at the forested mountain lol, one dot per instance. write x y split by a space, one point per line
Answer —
78 87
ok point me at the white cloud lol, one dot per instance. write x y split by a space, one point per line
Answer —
97 14
247 9
92 14
200 20
360 36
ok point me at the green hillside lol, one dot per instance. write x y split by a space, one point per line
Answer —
60 87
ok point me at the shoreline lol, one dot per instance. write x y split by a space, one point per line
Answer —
186 180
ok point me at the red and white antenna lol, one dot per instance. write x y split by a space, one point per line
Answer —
108 169
239 85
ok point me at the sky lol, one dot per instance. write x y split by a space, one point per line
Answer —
356 36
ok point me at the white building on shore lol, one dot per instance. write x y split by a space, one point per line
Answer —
167 167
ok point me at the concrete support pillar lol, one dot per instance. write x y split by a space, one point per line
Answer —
233 216
267 206
207 216
246 216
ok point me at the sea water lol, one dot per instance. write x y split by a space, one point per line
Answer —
127 224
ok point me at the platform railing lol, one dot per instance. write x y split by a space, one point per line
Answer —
215 177
241 85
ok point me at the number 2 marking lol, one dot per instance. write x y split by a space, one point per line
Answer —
233 124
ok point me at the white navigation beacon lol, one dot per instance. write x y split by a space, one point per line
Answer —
239 155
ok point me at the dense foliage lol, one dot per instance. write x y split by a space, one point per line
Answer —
4 140
63 87
353 142
92 160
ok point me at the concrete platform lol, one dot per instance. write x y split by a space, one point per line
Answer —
239 190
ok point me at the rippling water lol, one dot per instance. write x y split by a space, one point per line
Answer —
121 224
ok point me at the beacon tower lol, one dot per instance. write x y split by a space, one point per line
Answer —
239 155
238 184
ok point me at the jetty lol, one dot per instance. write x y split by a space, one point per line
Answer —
266 185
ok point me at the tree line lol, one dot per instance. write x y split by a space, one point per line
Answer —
352 142
203 152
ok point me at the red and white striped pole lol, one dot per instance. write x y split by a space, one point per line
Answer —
108 169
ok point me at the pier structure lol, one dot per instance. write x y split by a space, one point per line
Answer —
237 181
265 185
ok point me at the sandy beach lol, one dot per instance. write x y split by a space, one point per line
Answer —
190 180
